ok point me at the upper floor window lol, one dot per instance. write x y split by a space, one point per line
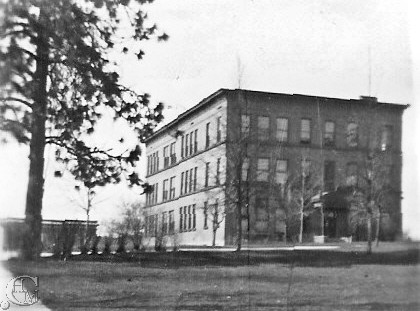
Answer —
207 135
329 176
329 133
386 137
173 154
263 166
245 124
281 171
206 177
182 146
245 169
153 165
282 129
218 172
219 129
305 131
352 134
306 169
195 141
172 188
166 157
351 174
263 128
165 190
187 138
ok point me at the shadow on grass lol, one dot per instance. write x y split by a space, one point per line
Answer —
311 258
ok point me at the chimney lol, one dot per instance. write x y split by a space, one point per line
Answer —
369 99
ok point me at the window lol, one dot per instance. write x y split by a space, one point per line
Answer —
164 223
186 144
195 180
351 174
151 197
188 181
173 155
245 124
185 219
329 176
282 129
171 228
194 220
218 172
306 168
263 128
186 185
305 131
281 171
155 225
262 215
207 135
153 163
191 180
245 169
219 130
329 133
206 178
191 143
352 134
195 141
165 190
182 184
166 157
189 217
182 146
263 165
181 219
386 137
205 211
172 188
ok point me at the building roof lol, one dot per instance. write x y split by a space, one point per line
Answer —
204 102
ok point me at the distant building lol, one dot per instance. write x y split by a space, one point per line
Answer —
54 232
262 140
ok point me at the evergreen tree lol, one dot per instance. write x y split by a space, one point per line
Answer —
57 80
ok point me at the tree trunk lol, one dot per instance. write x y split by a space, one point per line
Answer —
239 211
378 228
213 244
369 233
33 223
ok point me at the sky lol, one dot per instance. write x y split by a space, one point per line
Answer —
331 48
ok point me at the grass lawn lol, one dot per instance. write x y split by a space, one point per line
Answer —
83 285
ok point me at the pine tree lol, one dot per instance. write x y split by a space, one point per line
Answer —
57 78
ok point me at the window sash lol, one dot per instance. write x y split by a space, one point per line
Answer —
281 171
305 130
352 134
263 167
282 129
263 128
245 123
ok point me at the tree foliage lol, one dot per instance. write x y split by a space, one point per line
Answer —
58 79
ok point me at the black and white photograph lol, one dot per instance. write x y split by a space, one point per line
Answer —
209 155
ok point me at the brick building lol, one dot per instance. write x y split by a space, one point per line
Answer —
242 149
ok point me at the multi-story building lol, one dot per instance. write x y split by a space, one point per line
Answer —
240 150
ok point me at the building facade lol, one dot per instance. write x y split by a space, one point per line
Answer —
248 153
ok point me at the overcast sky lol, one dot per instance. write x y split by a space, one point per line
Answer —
306 47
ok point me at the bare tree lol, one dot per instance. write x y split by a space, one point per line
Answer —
374 193
129 226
